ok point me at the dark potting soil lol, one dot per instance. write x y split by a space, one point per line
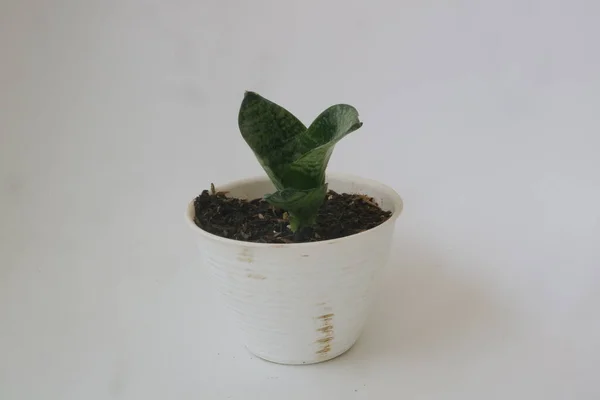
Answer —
257 221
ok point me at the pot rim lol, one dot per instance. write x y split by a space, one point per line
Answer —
396 199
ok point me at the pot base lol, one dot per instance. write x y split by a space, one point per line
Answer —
319 360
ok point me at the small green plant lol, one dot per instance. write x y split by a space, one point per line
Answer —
293 156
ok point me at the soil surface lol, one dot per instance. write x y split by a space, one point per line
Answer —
257 221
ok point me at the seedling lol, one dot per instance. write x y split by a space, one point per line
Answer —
294 157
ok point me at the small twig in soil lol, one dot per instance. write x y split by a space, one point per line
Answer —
368 200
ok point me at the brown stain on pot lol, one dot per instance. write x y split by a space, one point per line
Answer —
326 339
326 330
245 255
257 276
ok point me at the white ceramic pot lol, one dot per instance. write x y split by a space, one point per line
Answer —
300 303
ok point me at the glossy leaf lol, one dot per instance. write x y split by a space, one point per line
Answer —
267 127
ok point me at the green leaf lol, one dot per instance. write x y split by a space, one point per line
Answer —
267 127
294 157
316 144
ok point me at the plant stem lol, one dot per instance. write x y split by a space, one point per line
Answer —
300 234
304 233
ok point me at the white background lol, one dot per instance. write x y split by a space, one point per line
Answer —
481 114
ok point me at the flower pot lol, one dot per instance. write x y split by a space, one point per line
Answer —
300 303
